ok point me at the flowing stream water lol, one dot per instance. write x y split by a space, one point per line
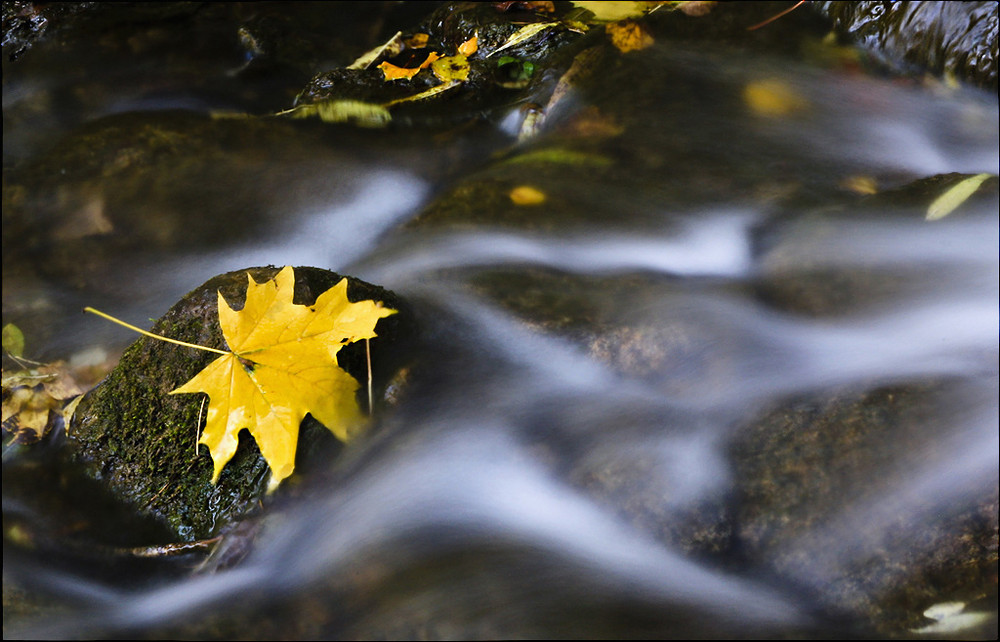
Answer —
547 476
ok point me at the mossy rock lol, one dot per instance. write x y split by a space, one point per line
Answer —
140 440
70 215
828 486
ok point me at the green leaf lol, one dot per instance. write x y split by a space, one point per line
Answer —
13 340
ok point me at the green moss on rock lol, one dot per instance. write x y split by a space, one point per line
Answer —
141 441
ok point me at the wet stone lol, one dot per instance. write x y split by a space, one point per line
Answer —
827 476
959 38
72 213
810 265
643 326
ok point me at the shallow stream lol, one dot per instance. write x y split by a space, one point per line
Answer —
704 389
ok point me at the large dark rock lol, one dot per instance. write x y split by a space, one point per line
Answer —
954 37
823 478
141 441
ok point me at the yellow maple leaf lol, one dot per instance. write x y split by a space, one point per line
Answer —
282 364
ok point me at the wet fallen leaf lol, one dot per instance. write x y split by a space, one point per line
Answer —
26 413
527 195
30 397
615 11
469 47
392 72
451 68
956 195
628 35
343 111
772 98
13 340
525 33
282 364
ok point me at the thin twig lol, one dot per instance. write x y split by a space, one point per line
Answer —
776 16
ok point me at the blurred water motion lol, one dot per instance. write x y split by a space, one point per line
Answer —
526 486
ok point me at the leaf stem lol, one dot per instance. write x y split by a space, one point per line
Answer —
150 334
368 356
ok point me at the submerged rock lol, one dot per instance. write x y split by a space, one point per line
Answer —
841 493
141 441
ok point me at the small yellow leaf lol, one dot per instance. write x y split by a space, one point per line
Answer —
773 98
26 412
860 185
343 111
451 68
282 365
629 36
956 195
527 195
30 396
360 113
469 47
69 409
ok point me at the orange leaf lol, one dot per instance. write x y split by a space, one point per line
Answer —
629 36
393 72
469 47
